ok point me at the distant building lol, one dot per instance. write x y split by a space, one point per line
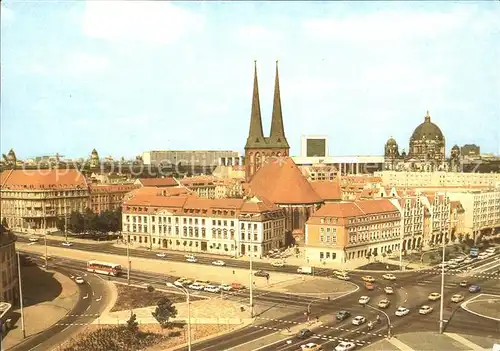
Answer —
314 146
32 200
328 168
164 182
420 179
205 158
470 150
108 197
8 267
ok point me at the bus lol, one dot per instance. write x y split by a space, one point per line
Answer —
474 252
104 268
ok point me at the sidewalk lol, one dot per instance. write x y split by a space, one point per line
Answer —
63 239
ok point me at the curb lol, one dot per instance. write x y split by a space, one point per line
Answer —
466 303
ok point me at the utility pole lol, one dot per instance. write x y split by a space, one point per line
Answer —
128 261
251 277
21 293
65 220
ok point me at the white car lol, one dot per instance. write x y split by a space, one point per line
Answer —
434 296
389 276
192 259
161 255
358 320
389 290
277 264
226 287
33 239
343 277
457 298
67 243
219 263
212 288
364 300
196 287
425 309
402 311
345 346
311 347
468 260
79 280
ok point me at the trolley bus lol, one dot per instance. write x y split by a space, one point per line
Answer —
104 268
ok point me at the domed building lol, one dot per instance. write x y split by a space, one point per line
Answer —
426 150
94 159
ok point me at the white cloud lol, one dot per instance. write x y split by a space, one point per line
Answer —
80 63
257 33
155 22
7 15
387 25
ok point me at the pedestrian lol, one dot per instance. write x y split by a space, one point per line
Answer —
317 319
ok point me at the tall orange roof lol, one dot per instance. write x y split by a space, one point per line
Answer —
282 182
158 182
327 189
357 208
46 179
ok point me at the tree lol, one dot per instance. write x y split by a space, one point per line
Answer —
60 225
164 311
90 220
132 324
460 238
76 222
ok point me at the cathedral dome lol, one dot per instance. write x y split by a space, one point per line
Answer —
391 142
427 130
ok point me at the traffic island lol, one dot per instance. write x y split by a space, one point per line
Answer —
48 297
487 306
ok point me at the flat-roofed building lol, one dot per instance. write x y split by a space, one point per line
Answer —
421 179
191 157
324 168
339 232
231 227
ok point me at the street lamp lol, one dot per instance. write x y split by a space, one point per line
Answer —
441 307
389 326
128 260
186 292
20 293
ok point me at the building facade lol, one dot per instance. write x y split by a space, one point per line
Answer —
339 232
231 227
104 197
327 168
8 267
190 157
259 148
33 200
437 179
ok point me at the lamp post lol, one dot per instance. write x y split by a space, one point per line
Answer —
128 260
21 293
389 327
251 278
441 307
186 292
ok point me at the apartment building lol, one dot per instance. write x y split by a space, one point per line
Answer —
32 200
106 197
482 211
343 231
436 217
231 227
8 267
412 210
418 179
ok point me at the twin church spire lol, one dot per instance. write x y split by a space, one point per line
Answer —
256 138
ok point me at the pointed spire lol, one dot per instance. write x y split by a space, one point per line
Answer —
427 117
256 133
277 129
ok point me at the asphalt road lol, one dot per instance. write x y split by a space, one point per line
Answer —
411 291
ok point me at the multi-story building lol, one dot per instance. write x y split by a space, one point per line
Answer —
343 231
230 227
457 220
108 197
163 182
437 224
205 187
423 179
191 157
482 211
8 266
32 200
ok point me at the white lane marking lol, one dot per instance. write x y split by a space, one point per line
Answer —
475 299
87 308
99 299
85 297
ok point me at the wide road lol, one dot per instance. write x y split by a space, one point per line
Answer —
411 291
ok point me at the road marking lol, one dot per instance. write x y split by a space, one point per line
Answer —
99 298
464 341
84 315
85 297
475 299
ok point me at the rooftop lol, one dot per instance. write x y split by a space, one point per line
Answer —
47 179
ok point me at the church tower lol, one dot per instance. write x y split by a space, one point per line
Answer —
258 148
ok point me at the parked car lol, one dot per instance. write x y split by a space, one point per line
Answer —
67 243
196 287
212 288
261 274
192 259
226 287
33 239
161 255
277 264
219 263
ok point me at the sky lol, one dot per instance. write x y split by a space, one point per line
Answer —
127 77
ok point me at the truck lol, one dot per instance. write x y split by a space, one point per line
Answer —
305 270
474 252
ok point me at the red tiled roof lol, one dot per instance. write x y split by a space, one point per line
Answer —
46 179
327 190
158 182
353 209
282 182
111 188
